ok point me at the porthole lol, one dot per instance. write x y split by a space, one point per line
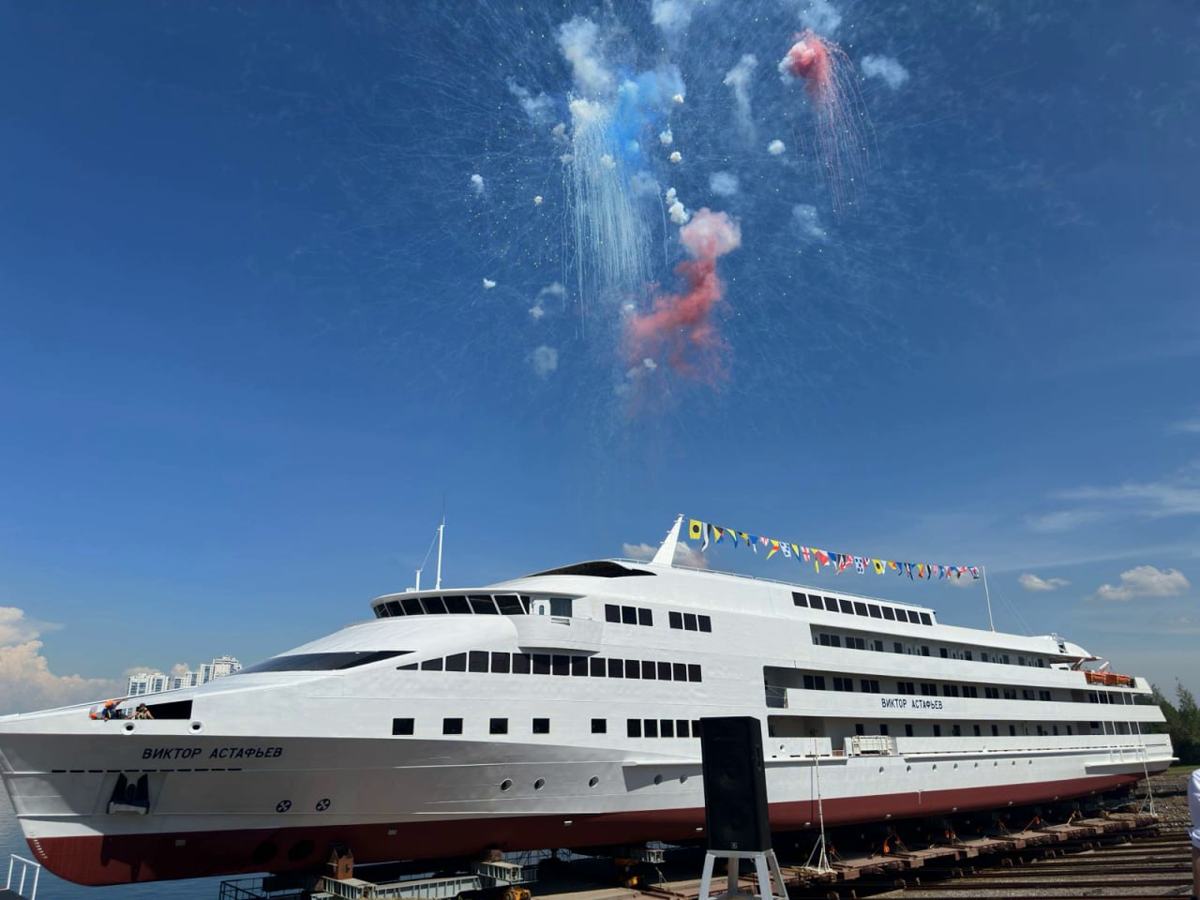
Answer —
539 784
128 727
263 853
506 784
658 779
196 726
593 781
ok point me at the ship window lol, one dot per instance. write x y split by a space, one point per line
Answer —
510 605
1028 695
799 599
648 670
597 666
498 726
908 731
937 730
667 728
451 726
541 664
402 726
561 665
501 663
831 603
991 693
521 663
616 668
905 687
598 569
925 619
664 671
693 671
883 729
477 661
847 606
969 690
877 646
924 650
679 672
645 617
541 726
928 689
433 665
457 604
1012 730
650 727
628 615
956 730
944 652
412 606
633 669
859 729
889 613
434 606
391 608
897 647
482 605
561 607
860 609
976 727
870 686
579 665
599 726
843 684
321 662
950 690
612 612
675 619
456 662
705 623
411 667
689 622
633 727
914 617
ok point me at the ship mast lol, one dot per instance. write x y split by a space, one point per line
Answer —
666 550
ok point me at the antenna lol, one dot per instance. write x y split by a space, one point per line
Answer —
441 534
988 597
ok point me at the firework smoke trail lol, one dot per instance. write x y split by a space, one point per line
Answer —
841 128
612 243
682 324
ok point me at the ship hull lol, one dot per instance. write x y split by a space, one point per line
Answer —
94 859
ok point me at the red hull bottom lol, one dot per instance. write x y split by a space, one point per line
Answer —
121 859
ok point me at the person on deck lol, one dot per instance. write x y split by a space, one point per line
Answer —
1194 809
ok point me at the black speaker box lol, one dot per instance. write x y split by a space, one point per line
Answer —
735 784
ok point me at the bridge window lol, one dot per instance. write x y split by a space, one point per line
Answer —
402 726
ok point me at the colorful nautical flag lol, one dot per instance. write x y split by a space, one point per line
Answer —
878 566
774 545
695 529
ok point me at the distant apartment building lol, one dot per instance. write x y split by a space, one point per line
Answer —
156 682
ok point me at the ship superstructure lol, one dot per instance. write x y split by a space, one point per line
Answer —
562 710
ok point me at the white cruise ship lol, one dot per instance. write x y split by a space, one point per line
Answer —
561 710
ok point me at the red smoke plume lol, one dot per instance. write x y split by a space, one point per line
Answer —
681 324
809 60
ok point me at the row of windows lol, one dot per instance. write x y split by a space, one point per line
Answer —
880 645
859 608
460 604
553 664
927 688
689 621
628 615
651 728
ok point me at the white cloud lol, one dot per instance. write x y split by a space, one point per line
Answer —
1184 426
477 183
488 284
685 554
1032 582
579 41
723 184
1178 496
538 107
808 222
737 80
1145 581
821 16
544 361
775 147
553 290
26 681
885 68
675 208
1063 520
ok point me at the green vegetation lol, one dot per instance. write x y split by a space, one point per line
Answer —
1183 723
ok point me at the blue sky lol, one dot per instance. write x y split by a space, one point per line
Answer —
245 351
